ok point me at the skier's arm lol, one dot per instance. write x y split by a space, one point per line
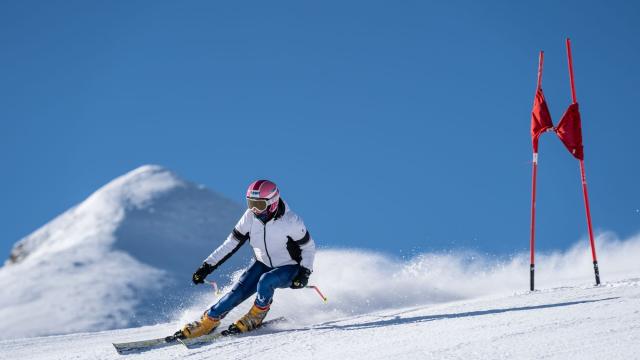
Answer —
307 250
302 243
234 241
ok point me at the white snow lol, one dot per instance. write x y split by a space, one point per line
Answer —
579 322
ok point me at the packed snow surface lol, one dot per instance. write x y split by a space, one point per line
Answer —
579 322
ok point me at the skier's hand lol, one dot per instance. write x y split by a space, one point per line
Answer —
302 279
202 272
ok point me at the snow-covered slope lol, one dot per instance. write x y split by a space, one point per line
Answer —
122 257
434 306
580 322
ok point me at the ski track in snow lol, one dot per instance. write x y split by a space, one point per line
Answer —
582 322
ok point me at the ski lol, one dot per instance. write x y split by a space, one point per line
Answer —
207 339
150 344
144 345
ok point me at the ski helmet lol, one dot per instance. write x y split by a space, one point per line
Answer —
262 195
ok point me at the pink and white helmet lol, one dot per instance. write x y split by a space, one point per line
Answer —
262 195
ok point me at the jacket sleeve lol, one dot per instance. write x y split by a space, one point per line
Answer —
233 243
303 240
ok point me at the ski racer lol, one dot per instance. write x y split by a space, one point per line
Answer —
284 253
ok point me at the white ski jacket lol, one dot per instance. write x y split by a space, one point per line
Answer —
283 240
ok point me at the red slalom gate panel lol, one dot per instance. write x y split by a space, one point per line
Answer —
569 131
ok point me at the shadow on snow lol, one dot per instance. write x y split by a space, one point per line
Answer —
397 320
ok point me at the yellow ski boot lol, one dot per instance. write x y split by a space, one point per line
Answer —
201 327
250 321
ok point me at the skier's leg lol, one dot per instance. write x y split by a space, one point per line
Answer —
242 290
245 287
279 277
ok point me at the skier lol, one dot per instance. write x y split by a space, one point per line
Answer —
284 253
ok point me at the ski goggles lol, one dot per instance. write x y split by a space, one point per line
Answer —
257 205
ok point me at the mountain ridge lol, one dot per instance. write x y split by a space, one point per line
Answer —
102 263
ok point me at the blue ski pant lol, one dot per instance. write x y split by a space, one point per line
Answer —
257 278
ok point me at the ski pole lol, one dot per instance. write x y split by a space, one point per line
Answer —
215 286
324 298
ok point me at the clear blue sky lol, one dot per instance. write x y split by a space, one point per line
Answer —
397 126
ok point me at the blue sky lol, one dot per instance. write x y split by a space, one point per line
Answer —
396 126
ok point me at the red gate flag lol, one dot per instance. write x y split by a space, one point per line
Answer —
570 131
540 118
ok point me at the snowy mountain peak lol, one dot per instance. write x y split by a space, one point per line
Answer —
137 187
130 242
93 221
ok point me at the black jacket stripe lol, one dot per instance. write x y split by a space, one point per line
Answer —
305 239
293 247
239 236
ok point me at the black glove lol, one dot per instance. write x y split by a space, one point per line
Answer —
302 279
201 273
